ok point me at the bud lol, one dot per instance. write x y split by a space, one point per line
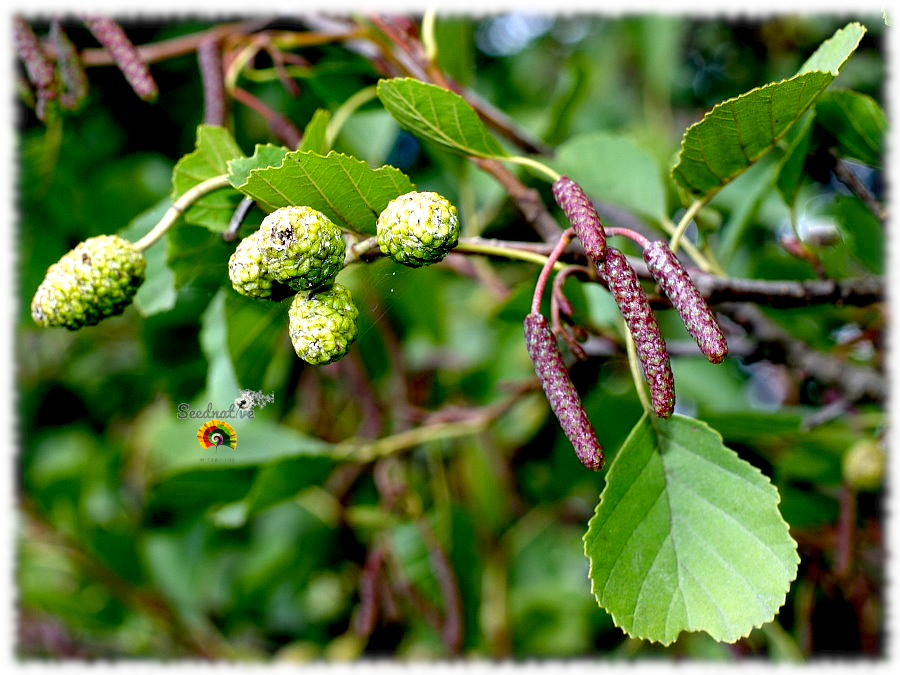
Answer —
675 282
629 296
583 216
560 392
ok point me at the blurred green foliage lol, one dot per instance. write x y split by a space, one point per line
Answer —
130 547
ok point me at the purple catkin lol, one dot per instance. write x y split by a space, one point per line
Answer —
40 70
675 282
629 296
582 215
71 70
560 392
126 57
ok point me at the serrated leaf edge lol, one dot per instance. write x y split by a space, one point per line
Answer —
725 180
770 485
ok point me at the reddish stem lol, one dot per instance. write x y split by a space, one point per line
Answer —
641 240
280 126
545 272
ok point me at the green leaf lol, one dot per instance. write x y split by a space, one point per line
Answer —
439 115
687 537
157 293
790 171
832 54
255 330
613 168
215 147
263 157
314 136
862 231
273 483
738 132
857 123
197 256
345 189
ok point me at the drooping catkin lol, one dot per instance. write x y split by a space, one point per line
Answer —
651 348
561 393
582 215
40 71
675 282
110 35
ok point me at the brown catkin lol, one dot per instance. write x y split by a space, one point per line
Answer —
675 282
560 392
582 215
629 296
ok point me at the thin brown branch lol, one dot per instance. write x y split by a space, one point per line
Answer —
209 57
207 645
426 70
779 294
846 175
452 629
527 199
281 126
369 578
183 44
854 381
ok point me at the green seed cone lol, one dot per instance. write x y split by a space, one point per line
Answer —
95 280
418 228
323 324
300 247
246 271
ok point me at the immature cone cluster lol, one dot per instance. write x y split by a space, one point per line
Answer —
323 324
629 296
675 282
561 393
583 216
418 228
95 280
297 248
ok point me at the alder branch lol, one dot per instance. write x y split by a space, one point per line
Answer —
779 294
855 381
423 69
167 49
846 175
280 125
527 199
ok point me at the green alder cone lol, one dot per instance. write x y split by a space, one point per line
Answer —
418 228
95 280
246 271
864 465
301 247
323 324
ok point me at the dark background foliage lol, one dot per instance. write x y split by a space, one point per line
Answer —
116 558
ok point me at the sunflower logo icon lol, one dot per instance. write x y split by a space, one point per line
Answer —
216 433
